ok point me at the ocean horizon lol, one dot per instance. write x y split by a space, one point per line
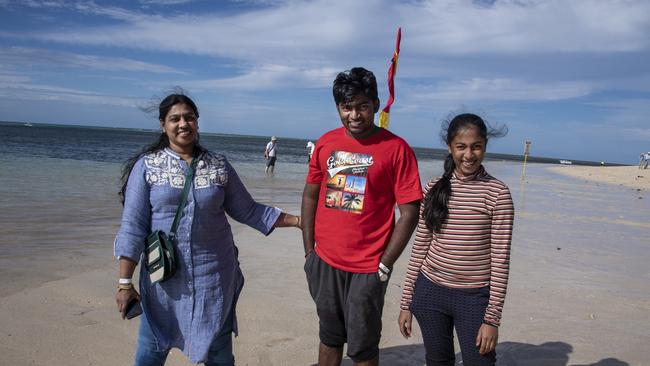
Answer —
292 149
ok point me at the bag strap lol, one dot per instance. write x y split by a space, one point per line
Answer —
189 177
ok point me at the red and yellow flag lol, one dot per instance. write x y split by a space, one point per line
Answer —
383 115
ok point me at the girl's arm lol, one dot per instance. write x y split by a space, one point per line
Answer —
501 235
423 237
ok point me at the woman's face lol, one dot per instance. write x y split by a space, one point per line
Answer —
181 126
467 149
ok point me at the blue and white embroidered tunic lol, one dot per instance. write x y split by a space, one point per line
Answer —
188 310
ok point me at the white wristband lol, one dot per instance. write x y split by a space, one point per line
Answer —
125 281
383 268
383 276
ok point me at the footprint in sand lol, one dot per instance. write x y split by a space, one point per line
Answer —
275 342
80 320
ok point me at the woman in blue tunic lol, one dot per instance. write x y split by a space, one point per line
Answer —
194 310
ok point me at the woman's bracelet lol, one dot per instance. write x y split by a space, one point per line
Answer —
125 286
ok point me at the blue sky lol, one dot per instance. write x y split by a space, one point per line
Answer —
572 76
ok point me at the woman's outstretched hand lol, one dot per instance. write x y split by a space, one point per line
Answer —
404 322
288 220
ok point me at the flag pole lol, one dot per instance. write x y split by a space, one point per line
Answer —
392 70
526 152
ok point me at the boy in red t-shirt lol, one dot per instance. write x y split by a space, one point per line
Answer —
357 174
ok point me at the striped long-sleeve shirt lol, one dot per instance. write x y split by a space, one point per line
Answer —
472 249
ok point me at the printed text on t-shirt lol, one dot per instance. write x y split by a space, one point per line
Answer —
346 183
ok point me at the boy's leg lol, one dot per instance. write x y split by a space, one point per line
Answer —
363 309
326 288
329 356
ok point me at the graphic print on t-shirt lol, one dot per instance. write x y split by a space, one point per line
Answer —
346 180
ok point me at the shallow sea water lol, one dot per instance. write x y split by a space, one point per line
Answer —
59 200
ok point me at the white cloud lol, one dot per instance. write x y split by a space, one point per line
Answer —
627 117
18 88
10 79
266 77
282 43
513 26
501 89
291 32
35 3
261 2
164 2
21 56
299 30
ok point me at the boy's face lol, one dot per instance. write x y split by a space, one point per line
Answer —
358 115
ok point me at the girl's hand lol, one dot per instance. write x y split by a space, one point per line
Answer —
404 322
487 338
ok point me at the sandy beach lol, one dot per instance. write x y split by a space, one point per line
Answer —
578 294
628 176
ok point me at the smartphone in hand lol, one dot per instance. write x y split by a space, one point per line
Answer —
133 308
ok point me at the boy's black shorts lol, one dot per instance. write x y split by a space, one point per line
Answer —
349 307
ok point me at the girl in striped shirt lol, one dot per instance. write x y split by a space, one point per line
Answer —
458 271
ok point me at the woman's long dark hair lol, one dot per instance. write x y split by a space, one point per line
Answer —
436 201
162 141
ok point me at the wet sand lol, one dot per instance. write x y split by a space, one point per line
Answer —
578 295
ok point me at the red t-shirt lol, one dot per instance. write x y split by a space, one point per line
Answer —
360 183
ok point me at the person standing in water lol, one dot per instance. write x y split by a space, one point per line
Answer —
269 154
310 150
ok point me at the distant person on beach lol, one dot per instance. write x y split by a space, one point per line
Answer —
357 174
644 158
310 150
458 271
194 309
269 155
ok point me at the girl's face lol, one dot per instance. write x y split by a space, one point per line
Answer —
467 149
180 125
